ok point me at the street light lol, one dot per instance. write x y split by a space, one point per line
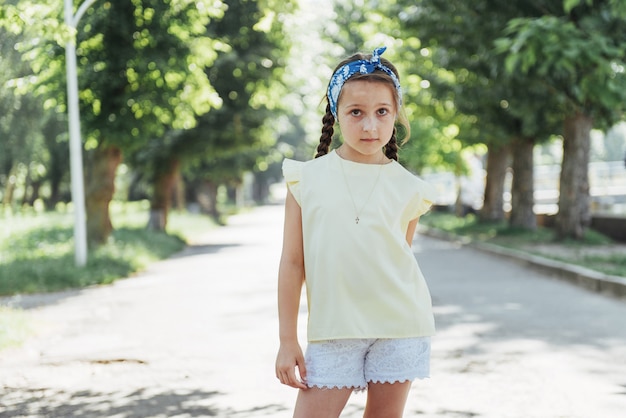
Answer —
76 144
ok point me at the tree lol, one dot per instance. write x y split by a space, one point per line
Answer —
57 166
576 49
141 73
499 109
247 75
22 153
147 61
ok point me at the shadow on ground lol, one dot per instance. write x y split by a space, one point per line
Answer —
143 403
193 250
510 303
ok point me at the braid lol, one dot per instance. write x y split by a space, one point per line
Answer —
391 149
327 133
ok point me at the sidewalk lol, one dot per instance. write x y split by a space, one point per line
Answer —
576 274
196 336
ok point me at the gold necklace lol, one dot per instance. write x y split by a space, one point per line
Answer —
345 179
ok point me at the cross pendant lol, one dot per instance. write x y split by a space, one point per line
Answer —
356 219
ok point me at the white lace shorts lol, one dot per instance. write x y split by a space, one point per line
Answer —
352 363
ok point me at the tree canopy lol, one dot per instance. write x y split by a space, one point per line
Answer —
151 87
575 49
197 93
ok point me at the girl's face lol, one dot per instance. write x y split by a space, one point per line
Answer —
366 113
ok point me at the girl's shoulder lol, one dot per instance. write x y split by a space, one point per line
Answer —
297 172
291 164
403 174
412 181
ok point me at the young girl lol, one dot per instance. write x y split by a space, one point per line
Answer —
350 217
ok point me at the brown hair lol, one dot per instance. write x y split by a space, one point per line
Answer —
328 121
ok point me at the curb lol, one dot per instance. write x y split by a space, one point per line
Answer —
586 278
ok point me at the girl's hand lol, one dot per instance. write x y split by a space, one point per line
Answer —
289 358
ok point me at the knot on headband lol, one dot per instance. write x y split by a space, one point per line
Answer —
346 71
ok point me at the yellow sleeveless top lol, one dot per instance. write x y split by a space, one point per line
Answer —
362 279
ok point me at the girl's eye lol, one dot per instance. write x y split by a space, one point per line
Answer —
383 111
355 112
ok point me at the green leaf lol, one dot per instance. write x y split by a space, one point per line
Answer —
568 5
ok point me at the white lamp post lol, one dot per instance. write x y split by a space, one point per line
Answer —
76 144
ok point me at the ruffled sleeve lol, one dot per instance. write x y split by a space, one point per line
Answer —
292 171
426 196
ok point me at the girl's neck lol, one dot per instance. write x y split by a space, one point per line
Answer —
345 153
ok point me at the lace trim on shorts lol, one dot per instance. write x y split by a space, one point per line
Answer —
353 363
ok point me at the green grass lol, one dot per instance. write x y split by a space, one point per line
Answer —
37 255
42 260
541 241
37 251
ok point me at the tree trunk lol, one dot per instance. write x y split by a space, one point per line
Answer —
179 192
497 163
99 192
27 186
206 196
574 214
33 193
58 164
55 193
160 203
522 189
261 189
7 198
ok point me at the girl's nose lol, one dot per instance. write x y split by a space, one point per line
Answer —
369 125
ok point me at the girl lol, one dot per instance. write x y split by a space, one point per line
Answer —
350 217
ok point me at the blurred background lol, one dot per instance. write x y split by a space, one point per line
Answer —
189 107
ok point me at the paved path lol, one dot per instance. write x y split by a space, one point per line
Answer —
196 336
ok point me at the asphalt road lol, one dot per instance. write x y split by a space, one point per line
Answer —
196 336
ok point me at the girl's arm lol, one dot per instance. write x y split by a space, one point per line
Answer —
410 231
290 280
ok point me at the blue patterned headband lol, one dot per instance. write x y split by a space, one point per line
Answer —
346 71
